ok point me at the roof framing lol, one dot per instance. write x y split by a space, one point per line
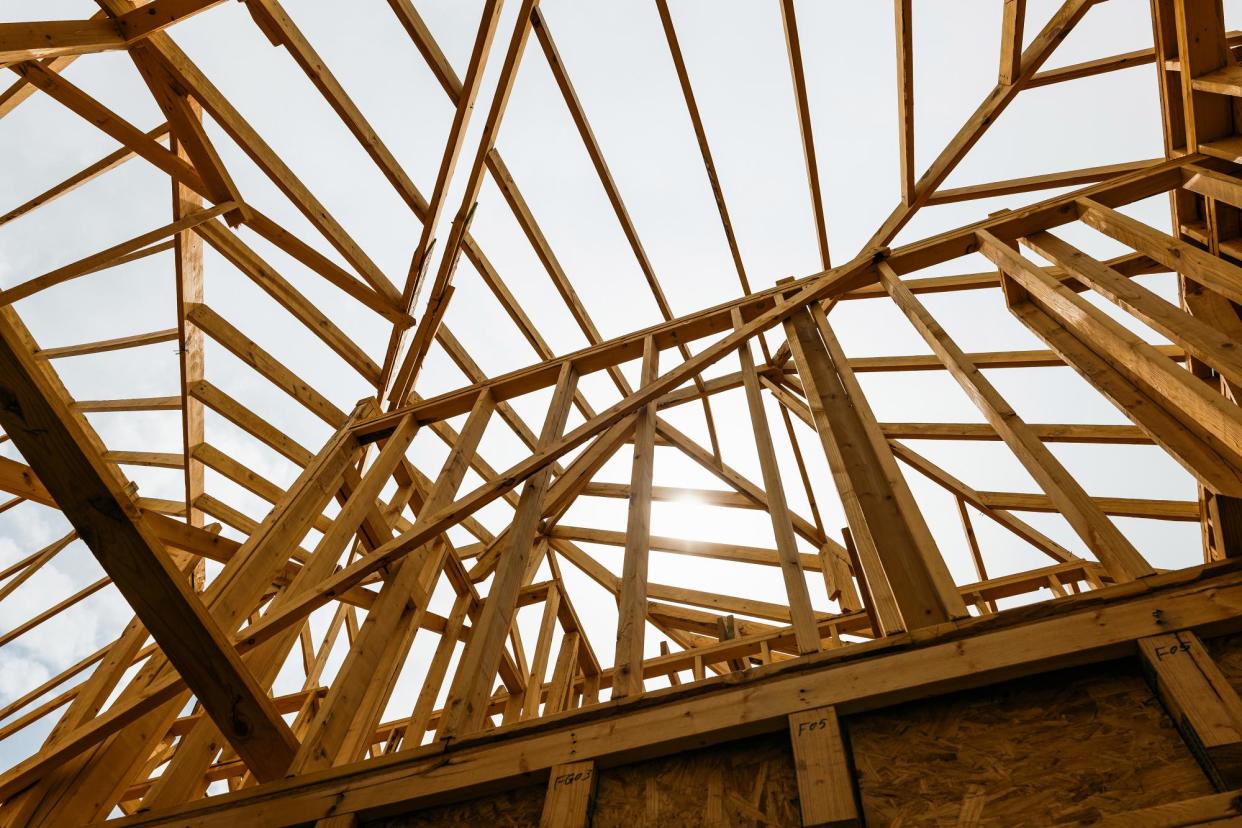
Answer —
227 578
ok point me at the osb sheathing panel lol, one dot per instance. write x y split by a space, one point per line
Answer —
739 783
1226 651
1060 748
519 808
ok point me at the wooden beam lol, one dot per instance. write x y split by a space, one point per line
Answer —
909 583
1033 57
793 49
1033 183
188 264
571 787
947 481
903 26
489 19
171 403
1212 272
1201 340
1048 432
786 544
1080 630
108 122
441 287
822 762
1099 66
95 261
103 345
1204 704
57 38
1205 410
700 134
1183 440
158 15
632 603
1013 19
90 494
1217 809
336 734
1202 50
89 173
1181 510
683 546
266 277
472 685
1109 545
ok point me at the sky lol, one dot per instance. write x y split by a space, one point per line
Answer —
620 65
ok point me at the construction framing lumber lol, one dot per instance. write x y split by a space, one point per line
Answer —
382 437
94 500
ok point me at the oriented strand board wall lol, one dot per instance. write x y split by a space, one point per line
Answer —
1061 748
740 783
1226 651
737 784
519 808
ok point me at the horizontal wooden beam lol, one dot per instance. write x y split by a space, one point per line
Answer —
132 404
1032 183
115 344
954 656
1048 432
43 39
57 38
1185 510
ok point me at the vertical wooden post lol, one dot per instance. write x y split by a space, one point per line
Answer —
571 787
560 690
471 690
436 671
1012 23
1202 49
976 553
1225 518
825 787
1205 706
188 260
803 617
632 607
543 653
904 30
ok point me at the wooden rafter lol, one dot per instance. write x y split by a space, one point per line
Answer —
229 604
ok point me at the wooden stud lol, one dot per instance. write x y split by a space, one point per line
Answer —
1013 19
787 546
1204 705
825 784
466 708
632 606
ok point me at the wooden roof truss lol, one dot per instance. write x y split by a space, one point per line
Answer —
363 532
